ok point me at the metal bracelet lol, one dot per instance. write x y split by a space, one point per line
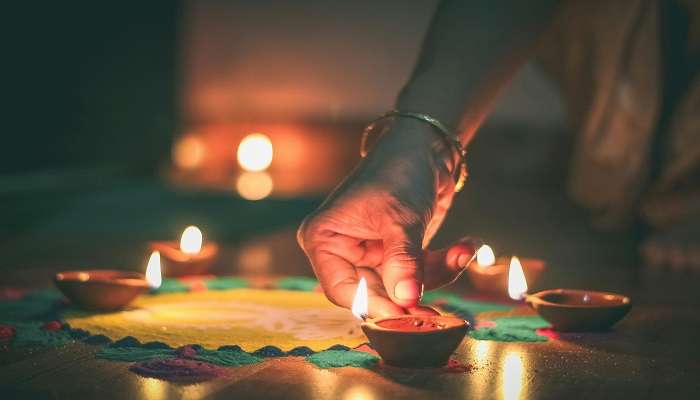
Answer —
451 138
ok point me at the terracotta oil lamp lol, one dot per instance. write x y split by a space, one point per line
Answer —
101 290
490 274
569 309
410 341
190 257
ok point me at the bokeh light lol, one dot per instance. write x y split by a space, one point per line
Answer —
254 185
255 152
188 152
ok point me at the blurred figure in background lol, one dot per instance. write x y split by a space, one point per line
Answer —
628 73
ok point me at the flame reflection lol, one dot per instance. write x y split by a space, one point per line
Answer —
358 393
513 376
254 185
481 350
154 389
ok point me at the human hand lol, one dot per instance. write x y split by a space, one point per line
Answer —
379 221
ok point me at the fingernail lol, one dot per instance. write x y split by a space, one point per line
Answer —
463 260
408 290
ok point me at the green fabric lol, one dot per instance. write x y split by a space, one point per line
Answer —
32 306
461 305
513 329
32 334
227 358
302 283
171 286
133 354
226 283
342 358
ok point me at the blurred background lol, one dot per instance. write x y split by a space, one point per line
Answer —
131 120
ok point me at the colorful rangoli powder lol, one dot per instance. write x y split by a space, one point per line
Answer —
179 370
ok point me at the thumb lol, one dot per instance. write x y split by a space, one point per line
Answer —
402 270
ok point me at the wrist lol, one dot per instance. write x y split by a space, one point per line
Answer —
411 136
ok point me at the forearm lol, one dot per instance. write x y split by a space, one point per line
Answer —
472 50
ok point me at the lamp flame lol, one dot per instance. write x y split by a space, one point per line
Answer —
359 304
191 240
517 284
255 152
485 256
153 276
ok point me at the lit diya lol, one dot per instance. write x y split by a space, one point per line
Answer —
415 341
490 274
569 310
101 290
190 257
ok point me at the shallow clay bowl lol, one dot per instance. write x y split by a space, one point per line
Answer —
415 349
571 310
177 263
493 279
101 290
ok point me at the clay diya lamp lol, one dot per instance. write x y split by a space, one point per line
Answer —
415 341
410 341
101 290
490 274
572 310
189 257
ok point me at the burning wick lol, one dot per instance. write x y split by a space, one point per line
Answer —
485 256
191 240
517 284
153 275
359 303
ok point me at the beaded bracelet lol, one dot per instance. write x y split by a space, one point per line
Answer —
449 137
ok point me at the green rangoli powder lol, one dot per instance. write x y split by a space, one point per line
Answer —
226 358
226 283
32 334
301 283
513 329
171 286
340 358
134 354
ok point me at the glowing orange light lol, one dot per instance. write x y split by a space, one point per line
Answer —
153 274
254 185
191 240
485 256
359 303
188 152
517 284
255 152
